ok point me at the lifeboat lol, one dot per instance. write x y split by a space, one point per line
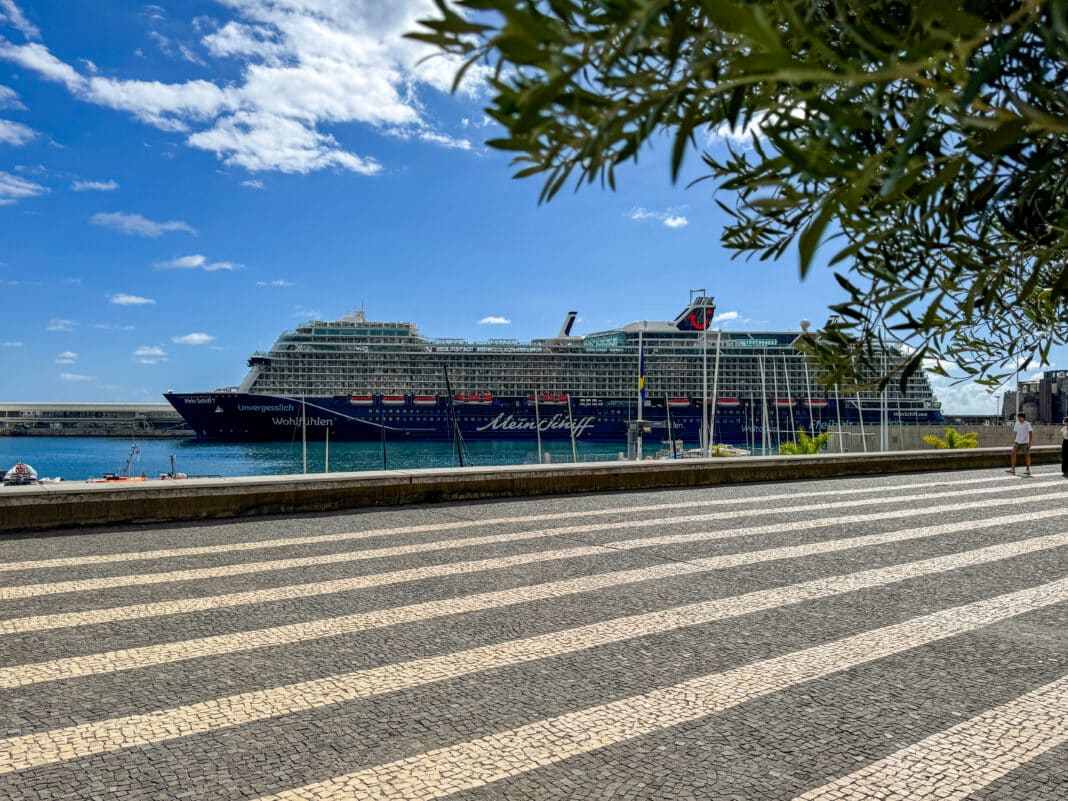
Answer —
728 403
550 398
816 403
674 402
392 400
361 400
473 397
425 400
784 401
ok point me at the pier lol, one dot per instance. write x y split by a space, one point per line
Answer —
840 637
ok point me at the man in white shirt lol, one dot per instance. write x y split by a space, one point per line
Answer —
1022 442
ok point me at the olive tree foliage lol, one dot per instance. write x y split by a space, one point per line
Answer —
923 145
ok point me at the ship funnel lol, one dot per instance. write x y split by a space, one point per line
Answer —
569 320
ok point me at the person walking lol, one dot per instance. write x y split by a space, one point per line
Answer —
1022 442
1064 448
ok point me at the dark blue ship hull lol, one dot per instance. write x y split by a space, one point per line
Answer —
241 417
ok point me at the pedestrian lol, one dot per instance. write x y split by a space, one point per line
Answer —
1064 448
1022 442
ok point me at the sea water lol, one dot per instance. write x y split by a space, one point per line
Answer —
79 458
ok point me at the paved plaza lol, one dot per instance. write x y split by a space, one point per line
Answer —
898 637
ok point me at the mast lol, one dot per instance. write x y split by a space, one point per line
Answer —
452 414
304 433
326 467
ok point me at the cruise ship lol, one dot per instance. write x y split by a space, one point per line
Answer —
354 379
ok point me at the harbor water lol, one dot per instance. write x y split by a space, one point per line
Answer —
79 458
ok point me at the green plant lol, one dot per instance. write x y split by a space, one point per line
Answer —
805 445
922 143
954 439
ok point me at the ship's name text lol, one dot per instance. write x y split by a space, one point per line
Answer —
509 422
264 407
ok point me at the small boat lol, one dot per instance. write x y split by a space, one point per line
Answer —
816 402
784 401
361 400
677 402
124 474
21 475
425 400
392 400
729 403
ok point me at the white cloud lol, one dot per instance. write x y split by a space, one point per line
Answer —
66 357
276 282
725 317
75 377
149 354
13 344
14 133
112 327
964 398
305 65
94 186
13 188
137 225
307 314
9 98
494 320
122 299
13 14
57 324
668 217
253 184
195 338
196 262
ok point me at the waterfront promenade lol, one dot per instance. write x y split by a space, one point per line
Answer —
873 637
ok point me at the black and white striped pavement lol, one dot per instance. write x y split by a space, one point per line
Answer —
902 637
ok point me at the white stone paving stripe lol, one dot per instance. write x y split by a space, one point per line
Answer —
953 764
475 763
78 561
298 591
72 742
152 655
17 591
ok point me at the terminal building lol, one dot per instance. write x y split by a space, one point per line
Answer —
1044 400
91 420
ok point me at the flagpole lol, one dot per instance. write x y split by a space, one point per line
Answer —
641 387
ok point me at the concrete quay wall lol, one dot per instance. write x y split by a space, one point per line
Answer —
68 505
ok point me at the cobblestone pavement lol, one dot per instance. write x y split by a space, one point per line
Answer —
900 637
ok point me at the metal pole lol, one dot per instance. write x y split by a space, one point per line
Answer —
838 411
326 469
537 424
571 426
884 414
303 433
715 394
641 390
705 448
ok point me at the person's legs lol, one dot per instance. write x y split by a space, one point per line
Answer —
1027 458
1064 457
1013 460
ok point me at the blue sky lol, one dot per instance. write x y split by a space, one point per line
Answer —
181 182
